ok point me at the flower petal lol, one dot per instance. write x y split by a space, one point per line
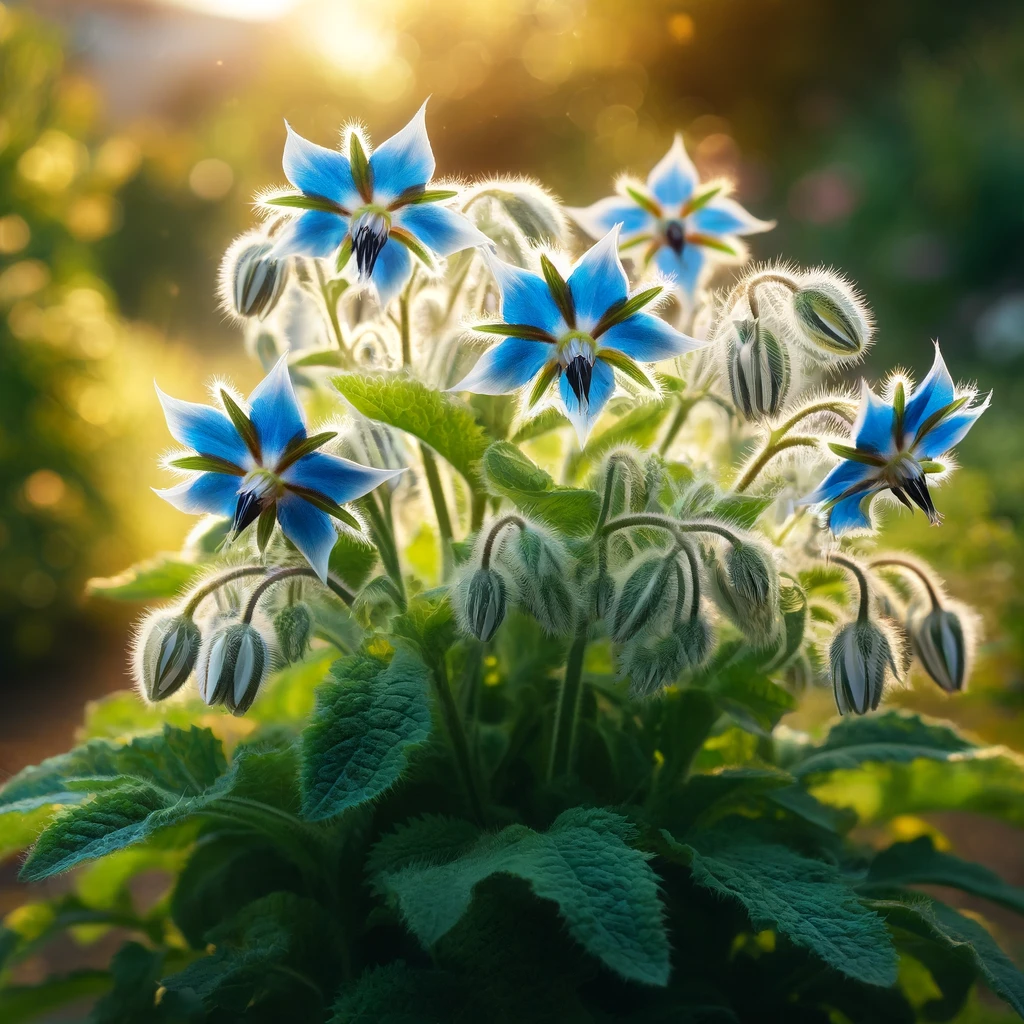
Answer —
318 171
647 339
339 479
872 430
949 432
202 493
205 430
602 385
674 177
598 281
404 161
442 230
275 413
504 367
851 513
935 392
599 218
314 233
687 269
309 529
526 298
391 271
726 217
840 479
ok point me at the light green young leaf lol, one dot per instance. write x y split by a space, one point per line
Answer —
435 418
605 890
512 475
638 427
352 558
543 423
806 900
742 510
147 581
367 722
428 624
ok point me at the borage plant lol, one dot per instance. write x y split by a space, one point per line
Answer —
512 630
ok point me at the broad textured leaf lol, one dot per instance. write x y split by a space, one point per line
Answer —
430 838
750 696
512 475
289 695
919 863
605 891
543 423
148 581
798 801
428 624
435 418
352 558
806 900
368 719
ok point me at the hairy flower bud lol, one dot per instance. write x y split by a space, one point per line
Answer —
651 667
646 595
602 594
860 657
747 590
696 641
759 370
485 603
541 575
165 653
293 626
252 281
939 641
232 666
831 318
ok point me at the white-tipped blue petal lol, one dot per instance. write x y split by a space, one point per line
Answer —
275 413
647 339
205 430
309 529
526 298
583 417
851 513
391 271
687 269
598 281
440 229
598 219
314 233
935 392
507 366
404 161
849 473
337 478
215 493
726 217
872 430
318 171
674 177
947 434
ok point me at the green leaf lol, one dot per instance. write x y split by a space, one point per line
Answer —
510 474
798 801
417 195
560 292
919 863
428 624
543 423
301 446
605 890
152 580
414 245
742 510
743 690
429 838
397 994
844 451
533 212
352 559
646 202
20 829
436 419
700 200
265 527
326 504
136 972
968 941
806 900
367 722
300 201
344 254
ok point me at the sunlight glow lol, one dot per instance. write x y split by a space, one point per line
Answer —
244 10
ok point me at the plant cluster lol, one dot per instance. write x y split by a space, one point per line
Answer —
506 695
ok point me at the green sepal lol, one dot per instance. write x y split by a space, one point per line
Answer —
899 405
301 201
625 309
559 291
939 415
301 446
698 202
844 451
265 527
243 425
646 202
325 504
710 242
620 361
541 384
207 464
417 194
414 245
344 254
362 172
525 331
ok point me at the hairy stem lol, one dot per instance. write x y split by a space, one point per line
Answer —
492 535
673 526
770 450
862 582
444 523
683 410
291 572
384 538
570 695
215 584
901 563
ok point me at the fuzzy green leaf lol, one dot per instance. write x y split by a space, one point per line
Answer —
605 891
153 580
742 510
436 419
510 474
428 624
352 559
368 719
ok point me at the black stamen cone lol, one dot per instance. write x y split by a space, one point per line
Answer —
367 242
898 491
917 488
675 237
578 373
247 511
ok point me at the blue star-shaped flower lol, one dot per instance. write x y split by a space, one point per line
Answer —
376 207
576 330
894 447
684 227
262 465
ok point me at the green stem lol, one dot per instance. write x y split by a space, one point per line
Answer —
290 573
457 736
673 526
771 449
332 310
404 329
444 523
685 406
749 289
477 509
902 563
215 584
384 538
570 695
492 536
862 582
838 407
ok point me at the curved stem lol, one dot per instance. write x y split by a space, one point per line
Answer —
769 452
485 558
570 693
837 406
286 574
685 406
862 582
691 558
748 289
929 586
215 584
673 526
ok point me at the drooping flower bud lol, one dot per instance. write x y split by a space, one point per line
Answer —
646 596
485 603
831 318
232 666
943 646
746 587
651 667
293 626
541 574
696 641
602 594
860 658
252 281
759 370
165 653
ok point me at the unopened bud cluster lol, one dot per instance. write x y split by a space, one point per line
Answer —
252 279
